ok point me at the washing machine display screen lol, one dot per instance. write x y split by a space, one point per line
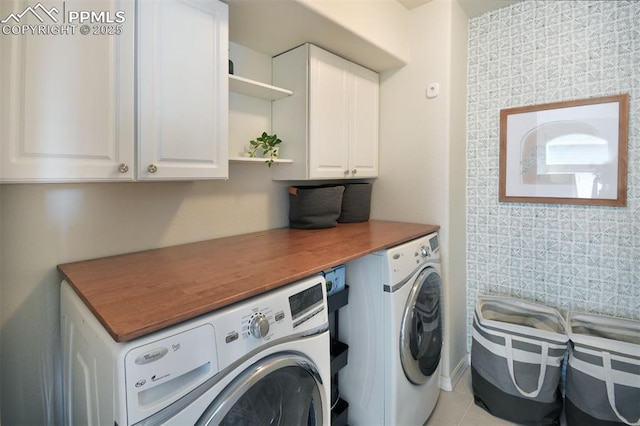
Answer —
434 243
302 302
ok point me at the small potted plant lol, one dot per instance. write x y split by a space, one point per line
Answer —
266 143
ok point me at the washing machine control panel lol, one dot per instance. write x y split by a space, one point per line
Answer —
429 246
406 257
248 325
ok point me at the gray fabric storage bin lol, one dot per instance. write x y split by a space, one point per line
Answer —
356 203
517 352
603 371
315 207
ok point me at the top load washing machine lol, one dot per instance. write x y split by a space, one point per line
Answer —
393 326
264 360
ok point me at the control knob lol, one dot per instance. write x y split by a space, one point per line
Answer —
424 251
259 326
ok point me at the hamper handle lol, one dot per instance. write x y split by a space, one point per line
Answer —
608 378
543 366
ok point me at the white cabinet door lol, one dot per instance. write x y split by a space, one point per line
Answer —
329 127
67 104
329 115
363 131
183 102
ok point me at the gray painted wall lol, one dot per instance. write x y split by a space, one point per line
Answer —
422 153
44 225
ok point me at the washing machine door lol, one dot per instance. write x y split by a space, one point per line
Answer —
282 389
421 328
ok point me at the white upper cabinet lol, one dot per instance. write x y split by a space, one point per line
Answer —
67 104
329 126
183 98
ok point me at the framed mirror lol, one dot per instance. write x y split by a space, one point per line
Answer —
566 152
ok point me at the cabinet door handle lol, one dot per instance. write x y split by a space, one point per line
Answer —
123 168
354 171
152 168
346 172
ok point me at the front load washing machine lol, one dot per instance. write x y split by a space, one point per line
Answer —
393 326
263 361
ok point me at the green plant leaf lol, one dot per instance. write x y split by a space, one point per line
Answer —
268 144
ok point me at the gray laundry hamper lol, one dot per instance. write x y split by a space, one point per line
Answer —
603 371
517 352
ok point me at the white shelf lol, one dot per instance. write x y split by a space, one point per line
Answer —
258 160
256 89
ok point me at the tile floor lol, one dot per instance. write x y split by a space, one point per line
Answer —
458 409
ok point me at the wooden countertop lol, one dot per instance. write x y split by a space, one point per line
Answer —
139 293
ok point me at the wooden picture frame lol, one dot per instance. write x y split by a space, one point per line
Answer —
572 152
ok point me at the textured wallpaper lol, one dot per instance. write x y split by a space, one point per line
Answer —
583 258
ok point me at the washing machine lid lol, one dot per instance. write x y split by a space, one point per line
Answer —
282 389
421 328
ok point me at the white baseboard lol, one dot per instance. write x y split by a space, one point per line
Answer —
448 383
